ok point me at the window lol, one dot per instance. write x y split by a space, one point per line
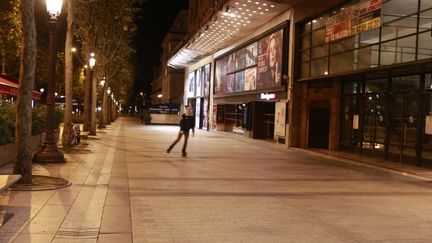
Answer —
404 36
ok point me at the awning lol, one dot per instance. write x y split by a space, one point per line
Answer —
236 19
9 86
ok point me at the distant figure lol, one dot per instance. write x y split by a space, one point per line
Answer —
186 123
77 133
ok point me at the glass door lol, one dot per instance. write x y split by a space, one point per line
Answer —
403 118
374 122
374 115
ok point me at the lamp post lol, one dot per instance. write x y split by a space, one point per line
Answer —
49 152
92 63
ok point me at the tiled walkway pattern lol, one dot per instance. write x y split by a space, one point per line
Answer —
228 190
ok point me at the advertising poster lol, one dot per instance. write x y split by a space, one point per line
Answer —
239 81
428 125
365 16
355 122
250 79
269 61
229 88
207 80
232 63
220 75
198 82
251 54
280 114
360 17
197 112
191 84
205 114
241 59
338 26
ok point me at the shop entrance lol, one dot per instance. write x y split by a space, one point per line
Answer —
263 120
319 125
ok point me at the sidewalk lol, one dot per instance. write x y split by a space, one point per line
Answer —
125 188
399 168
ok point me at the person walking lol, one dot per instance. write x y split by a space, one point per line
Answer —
186 123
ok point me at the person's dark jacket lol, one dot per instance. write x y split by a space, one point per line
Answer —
187 123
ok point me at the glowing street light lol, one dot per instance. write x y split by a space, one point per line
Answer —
49 152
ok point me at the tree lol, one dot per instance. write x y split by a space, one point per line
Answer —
107 30
23 164
10 33
67 131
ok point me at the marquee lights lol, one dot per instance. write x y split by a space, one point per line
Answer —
236 19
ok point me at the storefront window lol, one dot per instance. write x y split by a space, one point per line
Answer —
351 87
367 57
370 37
343 45
399 28
376 85
319 67
319 51
425 4
407 83
342 62
425 46
395 41
399 7
406 49
425 20
428 81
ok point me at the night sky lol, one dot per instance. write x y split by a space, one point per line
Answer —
153 21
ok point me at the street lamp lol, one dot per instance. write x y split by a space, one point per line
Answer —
102 82
92 63
49 152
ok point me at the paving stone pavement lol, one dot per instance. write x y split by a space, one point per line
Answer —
125 188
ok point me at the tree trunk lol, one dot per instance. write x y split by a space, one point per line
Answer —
3 62
23 164
102 114
87 92
67 131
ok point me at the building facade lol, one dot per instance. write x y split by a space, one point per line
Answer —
168 84
337 75
364 67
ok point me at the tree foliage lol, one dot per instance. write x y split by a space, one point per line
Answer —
10 34
109 24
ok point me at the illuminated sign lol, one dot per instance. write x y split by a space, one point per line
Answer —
267 96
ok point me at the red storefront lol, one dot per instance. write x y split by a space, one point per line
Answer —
9 88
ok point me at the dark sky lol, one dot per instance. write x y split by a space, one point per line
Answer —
154 20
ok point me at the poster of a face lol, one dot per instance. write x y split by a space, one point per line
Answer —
207 80
205 114
251 54
220 77
198 82
230 83
250 79
191 84
232 62
269 61
239 81
197 112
